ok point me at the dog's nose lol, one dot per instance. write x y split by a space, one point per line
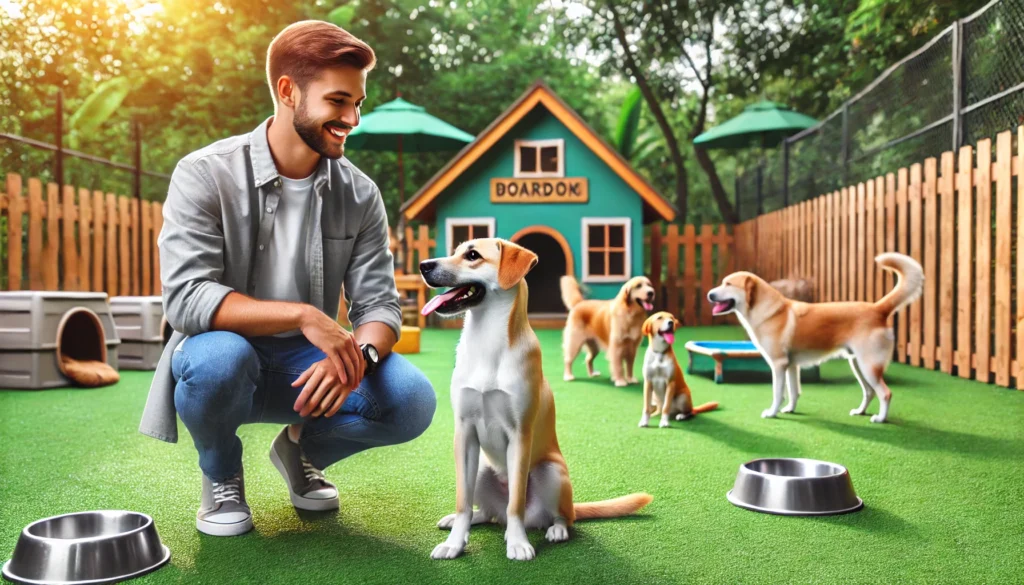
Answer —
427 266
650 296
711 296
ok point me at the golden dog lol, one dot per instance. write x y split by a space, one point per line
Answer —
610 325
503 406
665 388
790 334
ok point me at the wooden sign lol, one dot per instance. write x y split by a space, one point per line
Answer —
547 190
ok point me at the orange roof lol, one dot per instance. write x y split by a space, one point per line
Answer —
538 93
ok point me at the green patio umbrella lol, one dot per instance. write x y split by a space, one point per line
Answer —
399 126
763 124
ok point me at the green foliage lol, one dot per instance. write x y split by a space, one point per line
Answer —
100 105
629 122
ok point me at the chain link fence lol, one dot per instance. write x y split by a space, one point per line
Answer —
965 84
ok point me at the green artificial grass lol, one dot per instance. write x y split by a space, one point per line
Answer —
943 485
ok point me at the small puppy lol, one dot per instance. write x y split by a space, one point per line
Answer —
798 289
503 406
665 388
610 325
790 334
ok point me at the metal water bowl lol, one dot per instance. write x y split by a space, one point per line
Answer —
86 548
794 487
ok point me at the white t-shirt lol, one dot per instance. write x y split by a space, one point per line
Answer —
282 271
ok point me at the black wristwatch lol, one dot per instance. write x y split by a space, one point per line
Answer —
371 357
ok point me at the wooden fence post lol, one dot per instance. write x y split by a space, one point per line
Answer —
965 263
14 232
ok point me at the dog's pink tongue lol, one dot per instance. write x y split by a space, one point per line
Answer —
669 337
439 300
718 308
648 306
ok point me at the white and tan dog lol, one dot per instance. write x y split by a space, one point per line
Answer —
790 334
612 325
665 389
503 406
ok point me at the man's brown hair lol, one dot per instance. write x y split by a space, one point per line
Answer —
305 48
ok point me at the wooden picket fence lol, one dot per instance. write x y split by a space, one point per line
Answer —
78 240
683 267
956 215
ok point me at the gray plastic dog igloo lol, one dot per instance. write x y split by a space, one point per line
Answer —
143 330
37 328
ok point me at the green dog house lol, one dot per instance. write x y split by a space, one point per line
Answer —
541 177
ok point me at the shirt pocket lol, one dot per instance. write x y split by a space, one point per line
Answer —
337 253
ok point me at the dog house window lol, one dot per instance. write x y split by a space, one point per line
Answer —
461 229
540 158
606 245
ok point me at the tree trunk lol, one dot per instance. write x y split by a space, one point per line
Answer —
725 207
682 183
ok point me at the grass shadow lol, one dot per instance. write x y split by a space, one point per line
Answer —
873 520
918 437
736 437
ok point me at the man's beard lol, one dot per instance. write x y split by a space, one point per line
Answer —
312 133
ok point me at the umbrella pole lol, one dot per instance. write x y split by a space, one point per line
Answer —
403 247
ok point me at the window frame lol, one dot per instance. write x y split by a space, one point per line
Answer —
538 144
627 248
452 222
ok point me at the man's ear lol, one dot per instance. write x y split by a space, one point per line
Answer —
516 262
750 290
648 326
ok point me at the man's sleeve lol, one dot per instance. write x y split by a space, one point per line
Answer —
370 278
191 246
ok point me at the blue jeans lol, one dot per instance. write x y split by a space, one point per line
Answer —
224 380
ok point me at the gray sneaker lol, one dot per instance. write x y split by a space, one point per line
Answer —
224 511
307 487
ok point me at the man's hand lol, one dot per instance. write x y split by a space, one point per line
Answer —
340 345
322 391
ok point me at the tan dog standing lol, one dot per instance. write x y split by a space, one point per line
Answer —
612 325
503 406
790 334
665 388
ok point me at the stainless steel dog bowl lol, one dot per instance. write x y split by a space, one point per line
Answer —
86 547
794 487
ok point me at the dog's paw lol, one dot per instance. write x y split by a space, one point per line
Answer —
447 522
568 377
877 419
681 416
520 550
664 423
621 383
788 408
557 533
643 422
594 374
632 380
446 550
857 412
768 413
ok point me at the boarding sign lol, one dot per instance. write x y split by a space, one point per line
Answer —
547 190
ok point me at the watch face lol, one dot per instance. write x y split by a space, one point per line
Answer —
372 351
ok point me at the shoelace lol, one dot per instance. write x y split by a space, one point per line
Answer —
312 473
226 491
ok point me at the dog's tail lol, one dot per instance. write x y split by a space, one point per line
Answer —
909 285
707 406
613 508
571 295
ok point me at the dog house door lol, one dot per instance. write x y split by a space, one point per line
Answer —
545 296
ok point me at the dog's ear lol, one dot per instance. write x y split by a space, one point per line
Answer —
516 262
648 326
676 323
750 290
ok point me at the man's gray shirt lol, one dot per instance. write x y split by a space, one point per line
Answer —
219 216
